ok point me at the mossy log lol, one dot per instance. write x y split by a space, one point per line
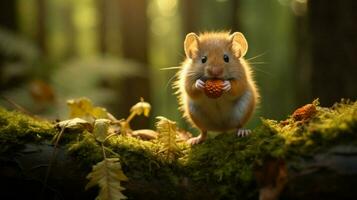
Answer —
311 155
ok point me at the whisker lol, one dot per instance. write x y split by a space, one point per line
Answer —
260 70
170 68
262 63
169 81
257 56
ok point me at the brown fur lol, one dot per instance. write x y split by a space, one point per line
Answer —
214 45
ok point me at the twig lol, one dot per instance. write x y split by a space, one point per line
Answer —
54 154
17 106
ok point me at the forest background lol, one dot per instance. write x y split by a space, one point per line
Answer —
113 52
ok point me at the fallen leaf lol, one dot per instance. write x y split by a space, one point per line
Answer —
75 124
107 174
83 108
145 134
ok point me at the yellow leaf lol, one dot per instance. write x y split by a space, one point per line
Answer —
83 108
141 108
107 174
75 123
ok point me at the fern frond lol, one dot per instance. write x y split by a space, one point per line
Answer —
167 130
108 174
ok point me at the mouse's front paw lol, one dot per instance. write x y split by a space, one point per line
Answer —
226 86
200 84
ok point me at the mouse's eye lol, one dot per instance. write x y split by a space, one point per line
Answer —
204 59
225 58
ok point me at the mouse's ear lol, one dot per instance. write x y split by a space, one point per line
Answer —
239 44
191 44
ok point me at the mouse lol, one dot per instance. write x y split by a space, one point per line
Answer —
216 56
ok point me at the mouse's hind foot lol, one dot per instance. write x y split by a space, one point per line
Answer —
243 132
198 139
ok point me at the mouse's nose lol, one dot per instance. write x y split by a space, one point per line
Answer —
215 71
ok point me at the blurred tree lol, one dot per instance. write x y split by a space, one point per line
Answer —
134 30
8 15
333 32
210 15
269 29
70 51
189 15
110 41
41 25
302 65
109 24
103 25
7 21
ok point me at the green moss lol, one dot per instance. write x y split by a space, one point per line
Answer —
17 129
86 150
328 127
139 159
224 164
227 162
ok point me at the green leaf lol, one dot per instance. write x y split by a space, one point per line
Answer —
107 174
101 127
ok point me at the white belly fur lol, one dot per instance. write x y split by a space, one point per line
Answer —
222 113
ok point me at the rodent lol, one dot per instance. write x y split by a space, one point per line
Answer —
216 55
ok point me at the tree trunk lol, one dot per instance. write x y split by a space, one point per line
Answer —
190 16
134 30
199 16
102 10
8 15
41 25
302 64
71 50
333 33
7 21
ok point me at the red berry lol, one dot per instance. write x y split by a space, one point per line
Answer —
214 88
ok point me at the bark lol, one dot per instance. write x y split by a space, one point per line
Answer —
23 174
331 174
